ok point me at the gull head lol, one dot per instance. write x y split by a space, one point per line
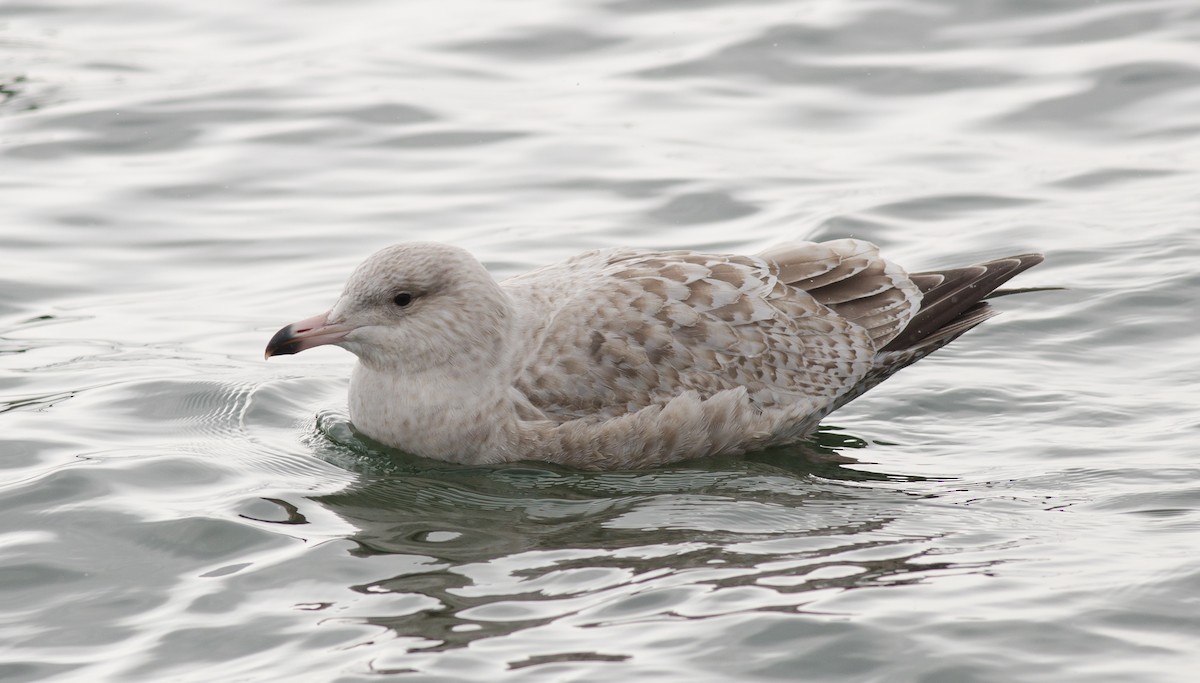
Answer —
408 308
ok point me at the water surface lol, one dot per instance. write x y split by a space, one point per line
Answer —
179 180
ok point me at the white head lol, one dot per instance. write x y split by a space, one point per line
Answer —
408 308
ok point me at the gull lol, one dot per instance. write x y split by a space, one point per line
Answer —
629 358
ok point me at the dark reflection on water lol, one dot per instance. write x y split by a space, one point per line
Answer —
507 548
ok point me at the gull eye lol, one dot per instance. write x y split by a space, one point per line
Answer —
403 299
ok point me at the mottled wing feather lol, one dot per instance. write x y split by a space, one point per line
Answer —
701 353
639 328
850 277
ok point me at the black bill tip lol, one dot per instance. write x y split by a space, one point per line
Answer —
284 343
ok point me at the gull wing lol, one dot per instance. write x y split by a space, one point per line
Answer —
613 332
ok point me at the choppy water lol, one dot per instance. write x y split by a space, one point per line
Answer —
178 180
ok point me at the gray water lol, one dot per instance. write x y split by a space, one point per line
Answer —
178 180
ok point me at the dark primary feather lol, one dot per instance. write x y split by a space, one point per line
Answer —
951 300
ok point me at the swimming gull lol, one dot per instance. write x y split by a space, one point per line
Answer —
627 358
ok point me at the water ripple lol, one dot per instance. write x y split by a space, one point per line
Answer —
188 177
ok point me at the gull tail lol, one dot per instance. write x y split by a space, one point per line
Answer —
952 302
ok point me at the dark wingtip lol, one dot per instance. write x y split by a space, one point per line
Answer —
283 343
949 294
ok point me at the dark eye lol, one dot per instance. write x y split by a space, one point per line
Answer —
403 299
